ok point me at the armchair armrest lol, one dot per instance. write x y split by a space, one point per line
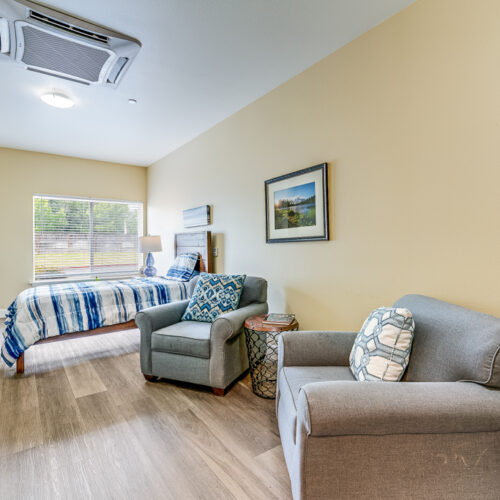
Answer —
229 324
381 408
315 348
152 319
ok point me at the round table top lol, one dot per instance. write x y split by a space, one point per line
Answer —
255 323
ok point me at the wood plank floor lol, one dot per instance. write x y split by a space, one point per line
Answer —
83 423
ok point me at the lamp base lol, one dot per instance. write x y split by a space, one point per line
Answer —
150 270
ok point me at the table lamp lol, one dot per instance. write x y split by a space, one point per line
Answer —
149 244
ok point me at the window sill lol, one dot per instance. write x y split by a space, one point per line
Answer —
57 281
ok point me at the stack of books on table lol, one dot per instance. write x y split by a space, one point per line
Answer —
279 319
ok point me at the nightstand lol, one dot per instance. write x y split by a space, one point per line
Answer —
262 346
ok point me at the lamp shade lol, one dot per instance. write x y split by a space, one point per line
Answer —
149 244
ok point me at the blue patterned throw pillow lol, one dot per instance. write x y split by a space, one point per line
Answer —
215 294
183 267
382 348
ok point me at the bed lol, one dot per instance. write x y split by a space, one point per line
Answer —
63 311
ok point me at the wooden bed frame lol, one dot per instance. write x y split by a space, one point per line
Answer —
200 242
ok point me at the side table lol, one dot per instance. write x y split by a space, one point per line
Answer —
262 346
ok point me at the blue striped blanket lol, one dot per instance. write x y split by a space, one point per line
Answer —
51 310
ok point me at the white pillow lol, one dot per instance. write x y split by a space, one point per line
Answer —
382 348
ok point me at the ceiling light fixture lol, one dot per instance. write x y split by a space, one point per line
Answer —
57 100
132 101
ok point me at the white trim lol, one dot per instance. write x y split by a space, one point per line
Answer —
84 198
3 312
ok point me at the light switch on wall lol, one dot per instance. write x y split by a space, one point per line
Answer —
215 252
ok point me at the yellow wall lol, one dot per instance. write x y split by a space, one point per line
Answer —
408 117
24 173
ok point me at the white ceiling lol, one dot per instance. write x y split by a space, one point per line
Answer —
200 61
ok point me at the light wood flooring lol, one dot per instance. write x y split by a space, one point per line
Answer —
83 423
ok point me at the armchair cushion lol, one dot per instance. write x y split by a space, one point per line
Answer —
382 348
188 338
215 294
295 377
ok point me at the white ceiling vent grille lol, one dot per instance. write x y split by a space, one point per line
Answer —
58 44
52 53
70 28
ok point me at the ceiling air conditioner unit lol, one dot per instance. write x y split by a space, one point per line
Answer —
51 42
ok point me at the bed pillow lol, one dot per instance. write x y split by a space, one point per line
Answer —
382 348
183 267
215 294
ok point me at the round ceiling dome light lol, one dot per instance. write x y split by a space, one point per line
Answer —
57 100
132 101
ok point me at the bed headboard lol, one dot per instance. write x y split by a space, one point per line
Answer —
200 242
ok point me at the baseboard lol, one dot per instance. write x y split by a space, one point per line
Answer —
3 312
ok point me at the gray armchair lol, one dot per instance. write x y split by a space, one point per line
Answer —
435 436
212 354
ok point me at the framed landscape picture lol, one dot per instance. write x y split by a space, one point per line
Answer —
297 206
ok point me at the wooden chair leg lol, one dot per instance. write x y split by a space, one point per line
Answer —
20 364
150 378
218 392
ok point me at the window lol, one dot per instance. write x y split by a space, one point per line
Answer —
75 237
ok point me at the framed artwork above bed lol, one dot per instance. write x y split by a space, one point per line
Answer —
297 206
199 216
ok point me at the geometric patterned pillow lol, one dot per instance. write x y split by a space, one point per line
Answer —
382 348
215 294
183 267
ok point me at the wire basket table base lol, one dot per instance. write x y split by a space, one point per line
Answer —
262 349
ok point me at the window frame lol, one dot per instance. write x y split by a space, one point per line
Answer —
91 275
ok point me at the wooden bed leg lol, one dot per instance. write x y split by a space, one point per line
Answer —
218 392
20 364
150 378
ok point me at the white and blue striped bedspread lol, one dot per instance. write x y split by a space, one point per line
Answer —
51 310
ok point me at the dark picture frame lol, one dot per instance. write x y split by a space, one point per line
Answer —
297 206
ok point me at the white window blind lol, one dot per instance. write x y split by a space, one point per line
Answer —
78 237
